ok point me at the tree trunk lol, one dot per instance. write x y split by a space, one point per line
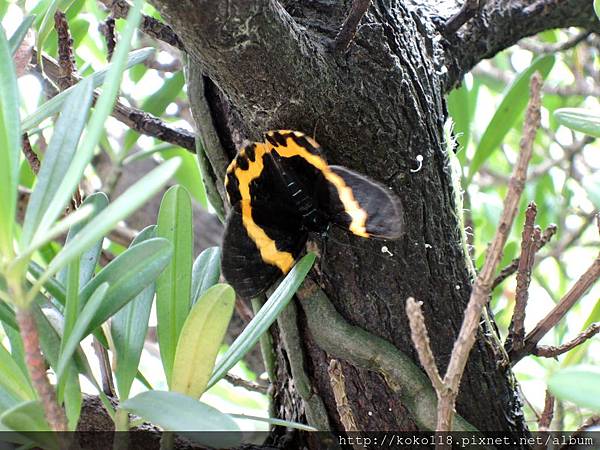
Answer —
260 65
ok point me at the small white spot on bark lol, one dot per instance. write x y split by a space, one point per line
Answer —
419 159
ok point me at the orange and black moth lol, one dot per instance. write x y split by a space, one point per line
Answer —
282 189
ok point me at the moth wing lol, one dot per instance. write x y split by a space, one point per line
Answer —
255 255
376 209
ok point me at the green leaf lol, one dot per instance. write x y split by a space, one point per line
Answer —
72 395
579 119
81 327
13 379
173 286
95 129
128 329
597 8
276 422
189 174
128 274
264 318
578 384
28 418
20 33
124 205
10 145
180 412
512 105
200 339
206 271
54 105
459 108
89 259
57 160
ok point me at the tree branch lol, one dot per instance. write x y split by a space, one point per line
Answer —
501 24
355 345
548 351
581 286
138 120
344 37
232 40
482 287
149 25
514 265
516 332
547 414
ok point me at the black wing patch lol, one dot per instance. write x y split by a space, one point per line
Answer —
384 217
252 266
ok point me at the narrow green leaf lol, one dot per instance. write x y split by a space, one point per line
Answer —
579 119
95 129
10 145
89 259
460 111
578 384
52 285
128 274
13 379
264 318
20 33
206 271
124 205
128 329
189 174
81 327
59 228
57 159
512 105
7 316
174 285
597 8
54 105
28 418
276 422
180 412
200 339
71 395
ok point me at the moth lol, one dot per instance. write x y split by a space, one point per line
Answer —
282 189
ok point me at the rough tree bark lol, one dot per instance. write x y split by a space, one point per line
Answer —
264 64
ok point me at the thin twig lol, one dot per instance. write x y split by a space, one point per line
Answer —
36 366
420 338
66 60
516 332
138 120
346 34
249 385
548 351
108 387
467 11
547 414
338 386
512 267
30 155
149 25
593 421
107 28
482 287
540 47
581 286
